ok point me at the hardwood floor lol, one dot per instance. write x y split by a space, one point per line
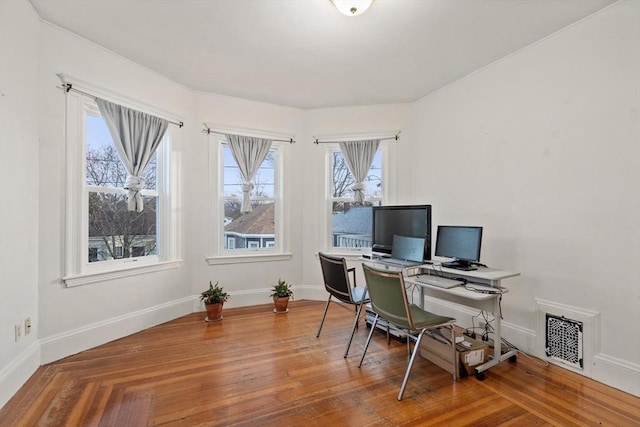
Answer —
257 368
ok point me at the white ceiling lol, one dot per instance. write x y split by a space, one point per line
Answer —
304 53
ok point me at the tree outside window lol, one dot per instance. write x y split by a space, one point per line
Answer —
113 231
351 222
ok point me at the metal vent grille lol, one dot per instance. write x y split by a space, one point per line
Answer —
564 340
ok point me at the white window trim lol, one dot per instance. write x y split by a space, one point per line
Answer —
388 184
77 269
217 255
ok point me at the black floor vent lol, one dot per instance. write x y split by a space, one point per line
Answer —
564 340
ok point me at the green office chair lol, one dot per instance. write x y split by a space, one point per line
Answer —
389 301
336 282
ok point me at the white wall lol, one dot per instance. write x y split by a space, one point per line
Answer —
19 172
248 283
542 149
73 319
335 122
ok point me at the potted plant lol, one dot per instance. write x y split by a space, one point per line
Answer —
281 294
213 299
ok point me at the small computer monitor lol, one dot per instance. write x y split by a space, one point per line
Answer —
407 248
462 243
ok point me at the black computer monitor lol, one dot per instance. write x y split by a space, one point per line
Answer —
462 243
403 220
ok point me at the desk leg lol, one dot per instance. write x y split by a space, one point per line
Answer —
497 343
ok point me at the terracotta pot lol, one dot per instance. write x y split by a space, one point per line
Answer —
214 312
280 304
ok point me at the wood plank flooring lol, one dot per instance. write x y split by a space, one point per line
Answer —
256 368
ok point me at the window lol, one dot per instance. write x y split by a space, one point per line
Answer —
258 230
102 236
113 231
350 223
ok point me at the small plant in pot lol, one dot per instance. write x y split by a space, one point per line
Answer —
281 294
213 299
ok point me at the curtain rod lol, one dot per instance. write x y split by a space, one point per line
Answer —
209 131
394 138
67 87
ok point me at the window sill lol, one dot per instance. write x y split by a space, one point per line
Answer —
88 278
244 258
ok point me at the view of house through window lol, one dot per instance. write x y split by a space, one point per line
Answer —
113 231
351 222
256 229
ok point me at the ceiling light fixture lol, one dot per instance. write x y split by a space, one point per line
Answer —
352 7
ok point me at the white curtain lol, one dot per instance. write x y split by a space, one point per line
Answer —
359 156
136 136
249 153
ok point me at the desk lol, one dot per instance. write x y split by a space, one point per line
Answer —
482 277
488 302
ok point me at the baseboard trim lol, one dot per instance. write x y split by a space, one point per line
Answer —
262 296
609 370
74 341
620 374
617 373
16 374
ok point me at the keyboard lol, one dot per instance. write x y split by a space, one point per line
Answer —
441 282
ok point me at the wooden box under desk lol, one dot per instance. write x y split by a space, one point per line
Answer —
434 348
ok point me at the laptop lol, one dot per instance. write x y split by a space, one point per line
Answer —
406 251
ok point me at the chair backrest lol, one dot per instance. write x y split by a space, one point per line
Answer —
388 296
336 278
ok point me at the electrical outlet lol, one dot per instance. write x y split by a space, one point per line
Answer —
18 331
27 326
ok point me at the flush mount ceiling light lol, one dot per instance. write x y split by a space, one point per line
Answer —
352 7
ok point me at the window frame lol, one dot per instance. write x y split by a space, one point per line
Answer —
387 151
78 270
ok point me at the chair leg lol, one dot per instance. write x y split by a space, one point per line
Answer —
413 357
366 345
326 307
353 328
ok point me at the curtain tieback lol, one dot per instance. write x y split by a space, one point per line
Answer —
134 200
358 192
246 199
358 186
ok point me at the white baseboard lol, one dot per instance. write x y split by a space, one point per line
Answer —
620 374
13 376
315 293
613 372
617 373
261 296
74 341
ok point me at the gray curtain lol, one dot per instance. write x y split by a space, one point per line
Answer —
359 156
249 153
136 136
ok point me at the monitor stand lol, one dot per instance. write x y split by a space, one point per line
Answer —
460 265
